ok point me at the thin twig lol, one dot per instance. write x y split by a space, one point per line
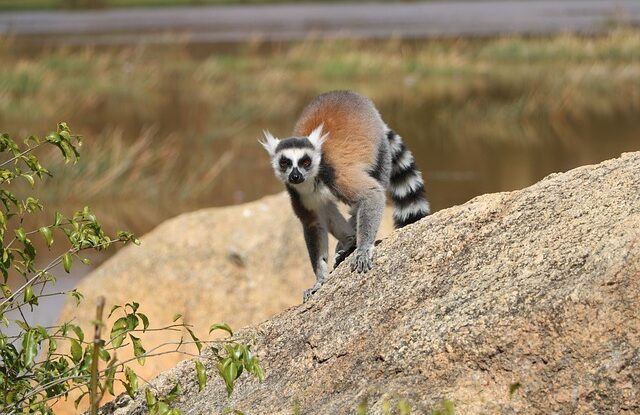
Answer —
27 151
53 264
97 342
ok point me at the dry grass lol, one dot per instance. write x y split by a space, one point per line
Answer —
174 129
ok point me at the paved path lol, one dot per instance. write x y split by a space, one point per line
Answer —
295 21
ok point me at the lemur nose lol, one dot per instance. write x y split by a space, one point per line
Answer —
295 177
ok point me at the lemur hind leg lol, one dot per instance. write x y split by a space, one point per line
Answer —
343 231
369 212
316 237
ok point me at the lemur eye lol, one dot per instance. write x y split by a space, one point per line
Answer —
305 162
284 163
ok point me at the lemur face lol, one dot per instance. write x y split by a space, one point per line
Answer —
295 160
294 165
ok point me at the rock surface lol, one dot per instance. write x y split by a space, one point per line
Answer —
537 290
239 264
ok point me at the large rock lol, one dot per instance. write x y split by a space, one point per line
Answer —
239 264
537 290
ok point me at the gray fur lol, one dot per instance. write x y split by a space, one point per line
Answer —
369 216
314 198
318 246
342 230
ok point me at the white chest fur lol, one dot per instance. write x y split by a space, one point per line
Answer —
314 196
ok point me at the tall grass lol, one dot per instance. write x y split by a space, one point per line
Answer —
170 129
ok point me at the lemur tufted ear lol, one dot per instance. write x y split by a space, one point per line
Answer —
269 143
317 138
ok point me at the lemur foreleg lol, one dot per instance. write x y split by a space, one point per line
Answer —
369 212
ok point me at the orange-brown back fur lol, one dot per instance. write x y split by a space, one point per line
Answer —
355 131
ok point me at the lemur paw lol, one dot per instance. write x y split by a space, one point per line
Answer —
362 260
341 255
309 292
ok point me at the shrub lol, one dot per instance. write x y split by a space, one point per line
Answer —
40 365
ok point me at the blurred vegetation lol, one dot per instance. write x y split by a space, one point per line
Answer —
174 128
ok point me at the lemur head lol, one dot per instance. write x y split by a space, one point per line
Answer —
295 159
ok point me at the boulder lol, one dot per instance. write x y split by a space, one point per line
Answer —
523 302
239 264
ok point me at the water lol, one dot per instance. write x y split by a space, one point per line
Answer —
456 170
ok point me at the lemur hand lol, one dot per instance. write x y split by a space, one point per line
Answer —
363 260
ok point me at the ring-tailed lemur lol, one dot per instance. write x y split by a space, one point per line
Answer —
341 150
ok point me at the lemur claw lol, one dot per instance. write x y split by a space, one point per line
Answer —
309 292
341 255
362 261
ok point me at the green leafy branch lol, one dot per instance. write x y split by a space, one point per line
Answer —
35 369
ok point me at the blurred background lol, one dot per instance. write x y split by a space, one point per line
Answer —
171 95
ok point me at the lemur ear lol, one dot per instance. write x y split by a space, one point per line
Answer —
317 138
269 143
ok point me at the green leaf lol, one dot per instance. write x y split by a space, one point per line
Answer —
67 261
114 308
134 306
196 340
132 321
110 374
29 178
145 321
53 345
201 374
258 371
247 358
445 407
513 388
150 397
21 234
76 403
29 347
24 326
78 331
53 138
131 385
174 393
161 408
76 351
28 294
138 350
77 296
362 406
6 291
58 219
221 326
118 332
230 370
104 354
46 233
176 317
404 407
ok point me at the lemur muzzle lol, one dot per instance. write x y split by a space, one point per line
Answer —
295 177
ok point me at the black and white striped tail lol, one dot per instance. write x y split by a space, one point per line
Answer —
406 185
